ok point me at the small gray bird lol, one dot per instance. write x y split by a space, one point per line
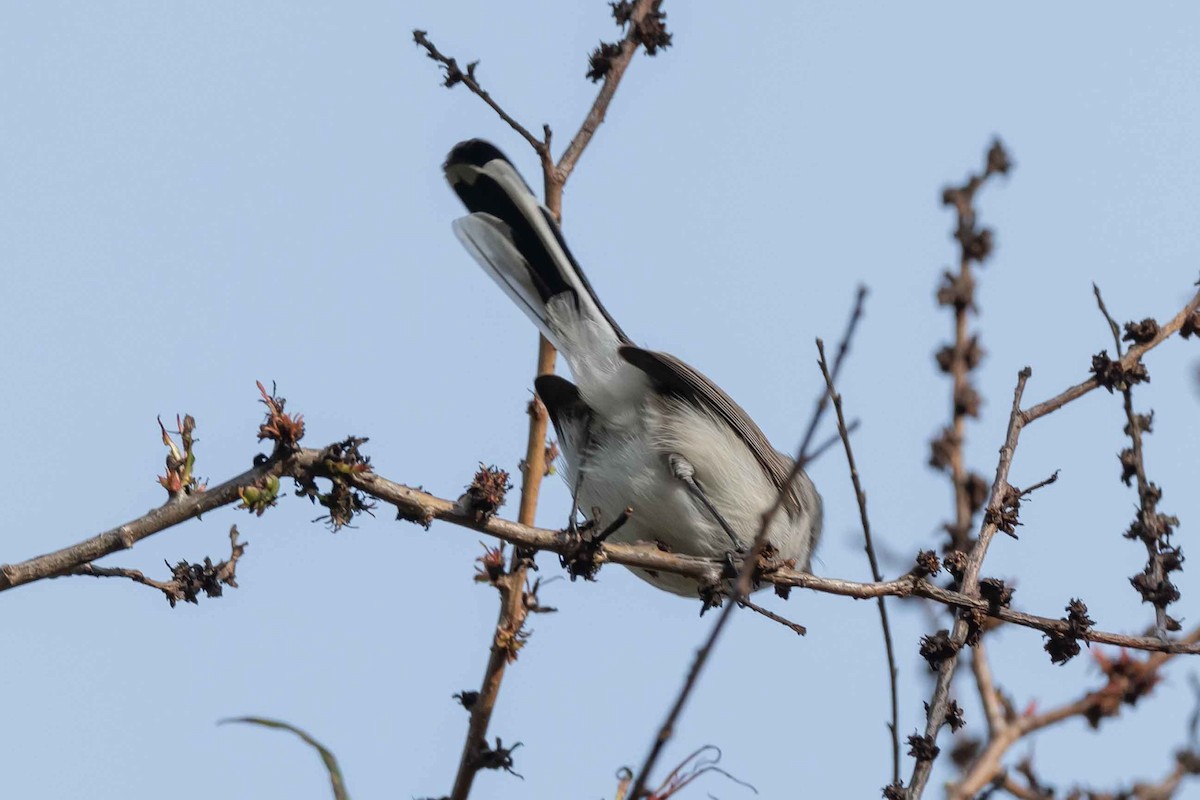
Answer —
638 428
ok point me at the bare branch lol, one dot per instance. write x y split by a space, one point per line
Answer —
188 581
617 63
969 583
1135 353
455 75
805 457
861 497
1125 685
771 615
1150 526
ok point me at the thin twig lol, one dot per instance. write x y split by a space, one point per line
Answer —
832 440
801 461
805 457
612 79
861 497
455 75
1135 353
771 615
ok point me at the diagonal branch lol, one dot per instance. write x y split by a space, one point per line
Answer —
455 75
1134 354
861 496
616 65
806 456
940 701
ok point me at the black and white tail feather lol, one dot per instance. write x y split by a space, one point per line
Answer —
638 429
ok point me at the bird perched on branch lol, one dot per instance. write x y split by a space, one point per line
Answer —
638 428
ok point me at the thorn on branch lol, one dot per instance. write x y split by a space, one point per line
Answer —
282 428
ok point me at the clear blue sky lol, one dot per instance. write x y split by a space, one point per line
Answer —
199 195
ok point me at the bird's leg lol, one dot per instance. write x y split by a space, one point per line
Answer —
682 469
572 521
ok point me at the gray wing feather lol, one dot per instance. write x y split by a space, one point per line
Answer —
673 375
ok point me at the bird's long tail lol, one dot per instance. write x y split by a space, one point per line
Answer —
518 242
